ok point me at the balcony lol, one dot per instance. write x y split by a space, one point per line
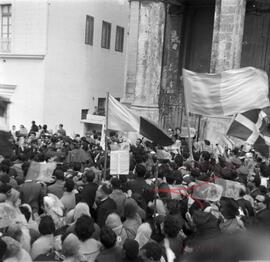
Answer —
5 45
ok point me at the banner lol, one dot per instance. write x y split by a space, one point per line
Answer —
225 93
41 171
119 163
207 191
184 132
231 189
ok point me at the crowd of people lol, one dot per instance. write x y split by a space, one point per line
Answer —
85 214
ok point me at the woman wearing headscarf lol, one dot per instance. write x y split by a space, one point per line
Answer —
70 248
14 201
14 252
114 222
73 215
143 235
19 225
20 234
54 208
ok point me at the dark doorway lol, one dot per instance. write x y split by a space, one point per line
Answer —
256 38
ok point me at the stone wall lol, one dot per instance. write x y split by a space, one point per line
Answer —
171 97
149 58
228 34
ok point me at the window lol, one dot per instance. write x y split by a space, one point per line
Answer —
106 35
5 28
102 105
89 30
119 39
84 113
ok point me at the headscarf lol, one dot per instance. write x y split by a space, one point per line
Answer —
53 203
13 247
114 222
54 207
71 245
144 233
32 224
80 209
13 196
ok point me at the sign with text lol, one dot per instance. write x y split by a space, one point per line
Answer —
207 191
119 162
231 189
41 171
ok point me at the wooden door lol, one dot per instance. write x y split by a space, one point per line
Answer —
256 41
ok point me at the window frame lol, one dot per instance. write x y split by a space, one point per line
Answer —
89 30
119 38
106 35
5 29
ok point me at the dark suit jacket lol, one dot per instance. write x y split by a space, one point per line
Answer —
113 254
137 185
57 188
88 194
32 194
263 220
103 209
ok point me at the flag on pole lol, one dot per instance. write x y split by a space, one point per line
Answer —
123 119
227 93
253 128
5 136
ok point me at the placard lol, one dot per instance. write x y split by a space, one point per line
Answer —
207 191
41 171
119 163
231 189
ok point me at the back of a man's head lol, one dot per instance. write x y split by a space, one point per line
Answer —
89 175
140 170
69 185
59 174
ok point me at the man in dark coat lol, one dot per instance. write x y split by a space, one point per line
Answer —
262 221
137 185
105 204
88 194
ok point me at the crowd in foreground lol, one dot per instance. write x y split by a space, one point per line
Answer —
86 214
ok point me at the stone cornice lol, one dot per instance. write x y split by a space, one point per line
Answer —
21 56
7 90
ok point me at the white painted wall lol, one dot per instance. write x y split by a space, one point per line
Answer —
29 32
72 75
77 74
27 100
29 26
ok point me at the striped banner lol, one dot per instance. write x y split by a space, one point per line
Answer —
227 93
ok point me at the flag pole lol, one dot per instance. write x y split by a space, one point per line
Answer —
106 140
188 123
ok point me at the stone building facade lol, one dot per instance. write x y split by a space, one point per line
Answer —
200 35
